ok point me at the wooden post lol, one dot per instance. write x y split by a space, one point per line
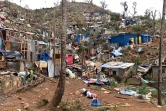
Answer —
160 54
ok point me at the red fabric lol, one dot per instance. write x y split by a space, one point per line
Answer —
69 59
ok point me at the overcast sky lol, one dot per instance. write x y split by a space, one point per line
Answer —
113 5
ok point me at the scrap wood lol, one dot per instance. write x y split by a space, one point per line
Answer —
117 105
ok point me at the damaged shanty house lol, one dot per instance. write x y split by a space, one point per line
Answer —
125 39
16 52
155 69
15 47
117 68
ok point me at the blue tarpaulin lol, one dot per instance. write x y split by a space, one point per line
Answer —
44 56
2 51
44 43
80 37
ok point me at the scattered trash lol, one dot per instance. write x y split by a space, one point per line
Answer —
128 92
144 81
71 74
139 50
89 94
95 102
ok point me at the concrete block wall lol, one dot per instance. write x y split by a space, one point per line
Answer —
9 83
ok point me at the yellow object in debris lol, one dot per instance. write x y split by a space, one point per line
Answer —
140 40
131 41
137 40
117 89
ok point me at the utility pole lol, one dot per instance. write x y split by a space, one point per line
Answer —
160 54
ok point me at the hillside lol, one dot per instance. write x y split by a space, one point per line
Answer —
28 20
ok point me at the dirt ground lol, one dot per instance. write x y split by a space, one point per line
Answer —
46 91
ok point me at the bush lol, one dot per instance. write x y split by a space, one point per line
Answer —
68 106
164 100
143 89
113 82
155 93
41 103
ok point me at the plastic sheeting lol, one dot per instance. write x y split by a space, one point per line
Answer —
44 56
128 92
116 53
50 68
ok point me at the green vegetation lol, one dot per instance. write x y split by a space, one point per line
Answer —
41 103
138 29
155 93
143 89
164 100
113 82
68 106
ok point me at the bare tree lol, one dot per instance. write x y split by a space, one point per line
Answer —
61 84
26 6
134 8
57 3
89 1
160 16
153 15
103 4
125 6
147 13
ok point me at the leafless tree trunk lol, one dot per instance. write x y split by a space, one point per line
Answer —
125 6
89 1
103 4
134 8
153 14
61 84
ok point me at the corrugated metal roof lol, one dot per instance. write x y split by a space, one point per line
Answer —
117 65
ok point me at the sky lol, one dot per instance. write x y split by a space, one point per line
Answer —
113 5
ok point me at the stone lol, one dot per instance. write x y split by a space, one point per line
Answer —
26 106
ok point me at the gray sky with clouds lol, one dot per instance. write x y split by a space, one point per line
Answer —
113 5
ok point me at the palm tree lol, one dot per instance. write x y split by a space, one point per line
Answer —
61 84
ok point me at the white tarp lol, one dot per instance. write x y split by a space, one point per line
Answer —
50 68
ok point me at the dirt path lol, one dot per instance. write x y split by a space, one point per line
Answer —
46 90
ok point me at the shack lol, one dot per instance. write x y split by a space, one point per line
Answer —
128 39
117 68
155 69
